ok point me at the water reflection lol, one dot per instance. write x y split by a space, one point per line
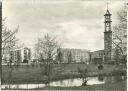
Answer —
69 82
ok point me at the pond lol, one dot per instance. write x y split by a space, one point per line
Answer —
68 82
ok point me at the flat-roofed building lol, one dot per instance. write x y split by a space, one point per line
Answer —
74 55
97 56
20 55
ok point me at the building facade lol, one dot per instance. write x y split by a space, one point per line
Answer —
97 56
22 55
73 55
27 55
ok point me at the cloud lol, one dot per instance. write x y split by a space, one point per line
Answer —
79 24
75 33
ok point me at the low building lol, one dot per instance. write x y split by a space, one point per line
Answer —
27 55
73 55
22 55
97 56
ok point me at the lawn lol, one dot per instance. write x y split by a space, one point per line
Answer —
35 74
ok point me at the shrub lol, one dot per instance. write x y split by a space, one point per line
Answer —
100 67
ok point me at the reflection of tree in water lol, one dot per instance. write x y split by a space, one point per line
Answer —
17 86
72 80
61 82
68 82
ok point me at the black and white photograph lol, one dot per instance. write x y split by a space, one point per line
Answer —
63 45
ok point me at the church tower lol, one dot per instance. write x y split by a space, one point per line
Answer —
107 37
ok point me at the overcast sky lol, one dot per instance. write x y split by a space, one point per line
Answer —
78 24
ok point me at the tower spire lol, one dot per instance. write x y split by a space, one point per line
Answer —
107 4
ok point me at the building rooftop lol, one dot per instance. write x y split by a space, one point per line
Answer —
75 49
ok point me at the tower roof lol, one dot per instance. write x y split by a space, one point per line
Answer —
107 12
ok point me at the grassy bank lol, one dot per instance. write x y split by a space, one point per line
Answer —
35 74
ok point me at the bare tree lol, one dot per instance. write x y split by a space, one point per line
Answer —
83 75
46 50
59 56
120 34
69 55
8 40
8 44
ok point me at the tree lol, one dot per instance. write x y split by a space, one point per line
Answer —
83 75
8 44
59 56
46 50
69 55
120 34
8 40
117 55
100 67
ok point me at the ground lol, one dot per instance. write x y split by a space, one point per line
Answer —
35 74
